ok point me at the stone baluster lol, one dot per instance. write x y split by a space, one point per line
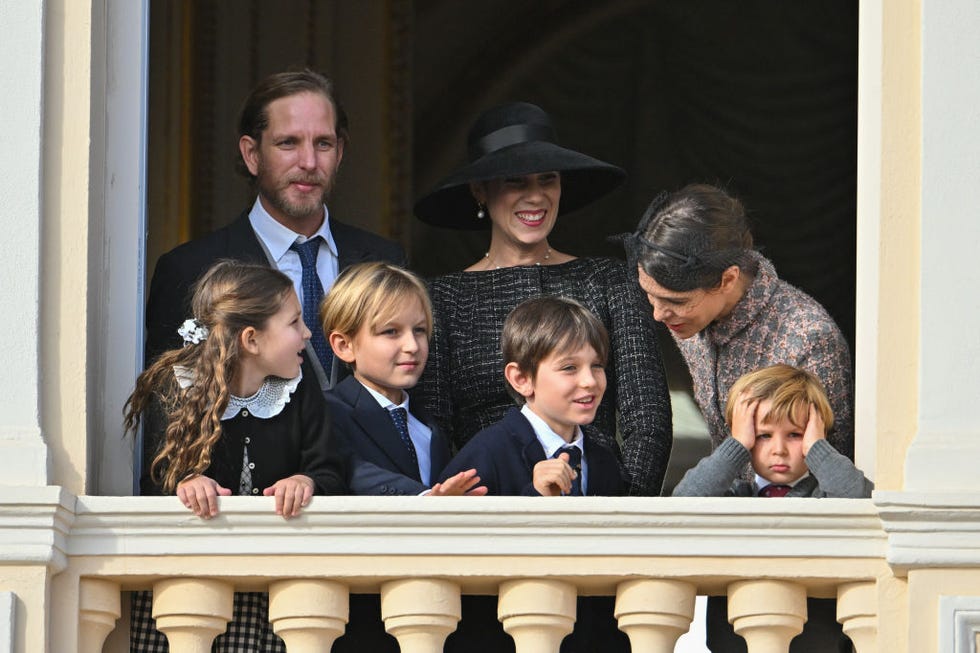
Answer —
308 614
654 612
767 613
537 613
420 613
858 613
191 612
98 609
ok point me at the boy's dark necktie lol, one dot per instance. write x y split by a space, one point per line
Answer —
775 490
575 462
400 417
312 295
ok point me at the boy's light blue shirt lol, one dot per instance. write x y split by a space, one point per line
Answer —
551 442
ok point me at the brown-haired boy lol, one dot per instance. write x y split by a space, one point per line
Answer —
555 352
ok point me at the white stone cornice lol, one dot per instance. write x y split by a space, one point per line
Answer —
460 526
930 529
34 525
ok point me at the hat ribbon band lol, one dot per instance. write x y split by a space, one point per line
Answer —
510 135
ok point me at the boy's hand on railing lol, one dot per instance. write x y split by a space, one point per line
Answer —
292 494
200 494
553 477
466 483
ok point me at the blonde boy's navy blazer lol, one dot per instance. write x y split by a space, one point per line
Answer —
380 463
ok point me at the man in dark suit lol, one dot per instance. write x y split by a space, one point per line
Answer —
292 135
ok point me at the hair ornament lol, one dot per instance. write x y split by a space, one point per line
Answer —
688 261
192 331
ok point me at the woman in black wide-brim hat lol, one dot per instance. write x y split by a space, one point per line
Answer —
517 183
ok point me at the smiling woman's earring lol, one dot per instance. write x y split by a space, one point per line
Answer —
481 211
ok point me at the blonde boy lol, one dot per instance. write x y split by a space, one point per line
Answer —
779 417
378 320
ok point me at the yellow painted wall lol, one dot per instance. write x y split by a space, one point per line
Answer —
65 239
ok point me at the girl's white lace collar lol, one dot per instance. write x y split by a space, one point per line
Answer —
268 402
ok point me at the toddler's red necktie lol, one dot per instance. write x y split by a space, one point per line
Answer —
774 490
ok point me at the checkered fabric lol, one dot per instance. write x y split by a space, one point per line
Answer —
249 631
245 481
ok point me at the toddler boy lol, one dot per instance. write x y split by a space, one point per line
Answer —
779 417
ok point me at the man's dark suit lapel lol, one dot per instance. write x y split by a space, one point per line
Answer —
377 425
243 244
350 248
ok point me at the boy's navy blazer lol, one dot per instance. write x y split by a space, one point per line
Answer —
504 455
368 431
168 303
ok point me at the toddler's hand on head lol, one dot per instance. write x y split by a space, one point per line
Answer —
553 477
200 494
815 430
292 494
465 483
743 421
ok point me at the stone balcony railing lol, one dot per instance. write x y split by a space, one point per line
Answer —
420 554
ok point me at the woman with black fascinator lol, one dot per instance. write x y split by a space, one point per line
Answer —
728 311
516 185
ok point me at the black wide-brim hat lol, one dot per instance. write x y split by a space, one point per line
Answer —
514 140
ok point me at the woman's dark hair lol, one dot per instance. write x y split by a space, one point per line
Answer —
688 238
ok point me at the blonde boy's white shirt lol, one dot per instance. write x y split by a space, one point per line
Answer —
551 442
277 239
420 433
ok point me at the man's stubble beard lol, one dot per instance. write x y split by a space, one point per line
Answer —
278 199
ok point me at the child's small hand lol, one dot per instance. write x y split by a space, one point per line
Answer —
743 421
292 494
553 477
200 494
815 430
465 483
